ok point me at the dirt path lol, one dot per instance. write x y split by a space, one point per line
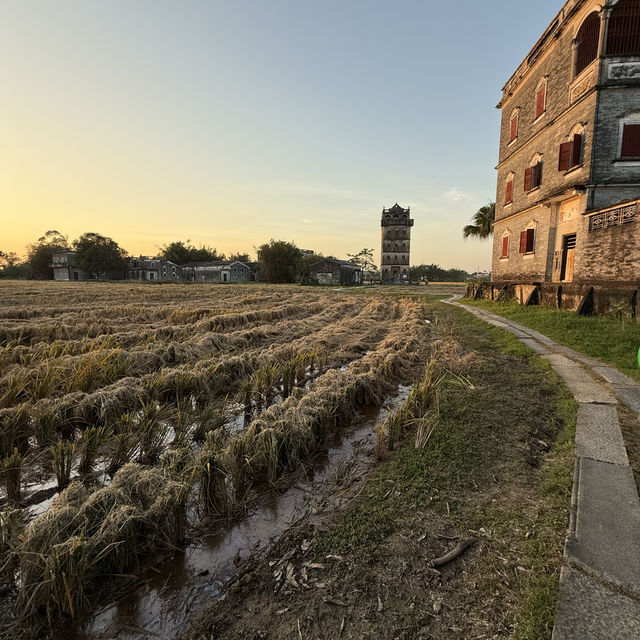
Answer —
496 471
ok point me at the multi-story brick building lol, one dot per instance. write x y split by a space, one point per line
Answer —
568 195
396 226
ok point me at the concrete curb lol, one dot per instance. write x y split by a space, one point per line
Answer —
600 581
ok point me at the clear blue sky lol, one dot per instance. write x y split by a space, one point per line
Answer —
232 122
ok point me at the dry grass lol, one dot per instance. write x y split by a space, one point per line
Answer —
419 412
87 535
105 375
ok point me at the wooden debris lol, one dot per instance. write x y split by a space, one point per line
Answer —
459 549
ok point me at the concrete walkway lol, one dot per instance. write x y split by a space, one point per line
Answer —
600 578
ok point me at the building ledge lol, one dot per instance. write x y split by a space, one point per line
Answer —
626 162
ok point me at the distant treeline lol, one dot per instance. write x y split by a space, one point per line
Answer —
277 260
435 273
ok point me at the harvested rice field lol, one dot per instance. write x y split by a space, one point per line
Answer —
155 431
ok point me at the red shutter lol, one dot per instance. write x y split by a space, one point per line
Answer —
527 179
576 150
540 101
630 141
530 238
505 246
523 242
513 132
509 195
564 157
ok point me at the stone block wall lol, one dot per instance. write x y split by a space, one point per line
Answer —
524 267
621 300
610 254
609 173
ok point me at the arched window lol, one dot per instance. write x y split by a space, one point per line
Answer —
623 33
533 173
528 238
541 98
571 151
505 244
587 42
513 125
508 192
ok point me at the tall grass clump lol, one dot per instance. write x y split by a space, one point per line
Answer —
11 474
16 388
212 417
11 526
216 495
153 431
124 444
45 429
89 443
420 410
15 430
62 454
85 537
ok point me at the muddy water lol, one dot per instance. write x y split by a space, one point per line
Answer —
170 593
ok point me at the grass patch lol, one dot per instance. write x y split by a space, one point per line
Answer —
500 460
612 340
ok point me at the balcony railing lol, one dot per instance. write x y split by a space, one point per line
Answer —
614 217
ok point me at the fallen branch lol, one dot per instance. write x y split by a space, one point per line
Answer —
459 549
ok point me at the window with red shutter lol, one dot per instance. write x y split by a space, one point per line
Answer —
576 150
530 240
505 247
536 175
523 242
513 129
527 179
564 157
509 194
630 141
540 100
570 155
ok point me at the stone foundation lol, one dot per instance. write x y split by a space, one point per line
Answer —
601 298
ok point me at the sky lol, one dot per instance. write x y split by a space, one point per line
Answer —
231 122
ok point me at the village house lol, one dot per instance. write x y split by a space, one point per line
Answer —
567 224
335 272
395 251
217 271
64 269
148 269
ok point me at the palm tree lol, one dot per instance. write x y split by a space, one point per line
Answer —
483 222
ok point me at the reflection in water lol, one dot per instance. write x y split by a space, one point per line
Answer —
172 591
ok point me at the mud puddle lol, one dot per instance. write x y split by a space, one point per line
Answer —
170 593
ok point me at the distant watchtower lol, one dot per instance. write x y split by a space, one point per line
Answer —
396 241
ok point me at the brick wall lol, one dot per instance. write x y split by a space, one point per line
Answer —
615 101
524 267
610 254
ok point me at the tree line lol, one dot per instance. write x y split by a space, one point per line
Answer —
96 254
278 261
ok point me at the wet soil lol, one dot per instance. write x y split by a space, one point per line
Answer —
160 605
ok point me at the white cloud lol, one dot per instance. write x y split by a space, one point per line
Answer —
455 194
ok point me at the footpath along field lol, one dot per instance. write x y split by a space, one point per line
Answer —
129 413
135 420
